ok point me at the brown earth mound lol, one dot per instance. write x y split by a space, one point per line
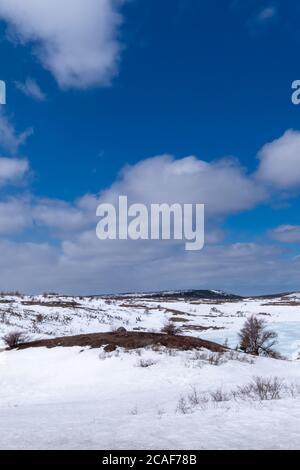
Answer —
127 340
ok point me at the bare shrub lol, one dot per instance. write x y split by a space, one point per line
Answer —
216 359
160 412
145 363
171 352
293 390
182 406
262 389
200 356
134 411
194 397
3 316
219 396
256 339
15 338
235 356
170 329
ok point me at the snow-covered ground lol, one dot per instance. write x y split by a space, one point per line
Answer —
51 316
69 398
74 398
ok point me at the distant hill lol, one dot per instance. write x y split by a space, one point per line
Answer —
191 294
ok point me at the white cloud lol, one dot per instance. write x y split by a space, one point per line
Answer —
76 40
74 260
32 89
88 266
280 161
286 233
15 216
222 186
61 216
12 170
9 139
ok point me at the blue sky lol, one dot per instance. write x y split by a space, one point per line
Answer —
110 84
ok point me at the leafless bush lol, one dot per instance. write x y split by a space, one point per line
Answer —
170 329
219 396
182 406
145 363
200 356
3 316
196 398
262 389
160 412
293 390
134 411
240 314
216 359
235 356
15 338
172 352
256 339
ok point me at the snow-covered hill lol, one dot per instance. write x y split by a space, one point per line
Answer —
153 398
211 318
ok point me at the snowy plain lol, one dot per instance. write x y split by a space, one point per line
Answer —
80 398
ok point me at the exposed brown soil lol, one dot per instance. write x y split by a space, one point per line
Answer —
201 328
179 320
127 340
138 306
178 312
56 304
215 302
290 303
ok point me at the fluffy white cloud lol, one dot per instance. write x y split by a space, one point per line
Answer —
287 233
12 170
10 140
76 40
280 161
78 262
62 217
222 185
32 89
